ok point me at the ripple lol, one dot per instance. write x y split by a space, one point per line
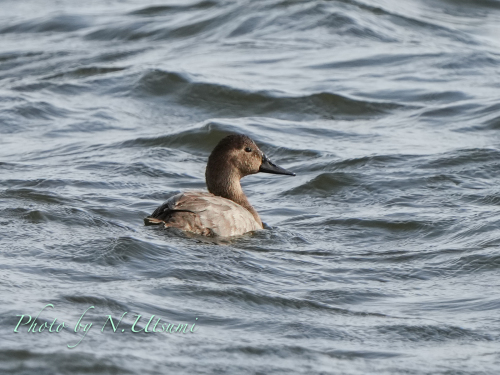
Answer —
58 362
346 297
203 138
465 157
57 23
39 111
201 27
166 9
324 185
430 333
107 303
85 72
227 100
366 162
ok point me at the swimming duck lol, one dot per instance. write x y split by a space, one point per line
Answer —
223 211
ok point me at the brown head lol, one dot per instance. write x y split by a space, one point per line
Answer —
235 157
238 156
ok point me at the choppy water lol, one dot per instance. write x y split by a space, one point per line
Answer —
382 254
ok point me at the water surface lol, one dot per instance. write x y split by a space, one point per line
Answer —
381 256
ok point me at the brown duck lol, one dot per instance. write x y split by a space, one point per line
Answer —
225 210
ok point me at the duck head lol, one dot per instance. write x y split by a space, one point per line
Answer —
238 155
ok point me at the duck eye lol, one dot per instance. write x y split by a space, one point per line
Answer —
248 149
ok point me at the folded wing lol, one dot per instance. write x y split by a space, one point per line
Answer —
205 214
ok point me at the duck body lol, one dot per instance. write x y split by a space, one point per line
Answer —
225 210
205 214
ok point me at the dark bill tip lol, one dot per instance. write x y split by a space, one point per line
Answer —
268 166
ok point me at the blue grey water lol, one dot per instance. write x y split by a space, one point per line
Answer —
381 257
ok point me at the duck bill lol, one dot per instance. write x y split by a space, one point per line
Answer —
268 166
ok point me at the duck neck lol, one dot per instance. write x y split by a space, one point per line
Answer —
227 185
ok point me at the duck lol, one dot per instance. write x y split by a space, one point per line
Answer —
223 211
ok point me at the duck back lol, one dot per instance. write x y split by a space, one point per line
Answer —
205 214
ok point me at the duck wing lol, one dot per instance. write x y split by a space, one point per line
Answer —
204 213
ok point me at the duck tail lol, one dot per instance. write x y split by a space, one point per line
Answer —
153 221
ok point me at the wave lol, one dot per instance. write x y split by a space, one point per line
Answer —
422 333
58 362
157 10
56 23
324 184
225 100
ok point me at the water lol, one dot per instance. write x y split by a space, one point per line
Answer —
381 256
